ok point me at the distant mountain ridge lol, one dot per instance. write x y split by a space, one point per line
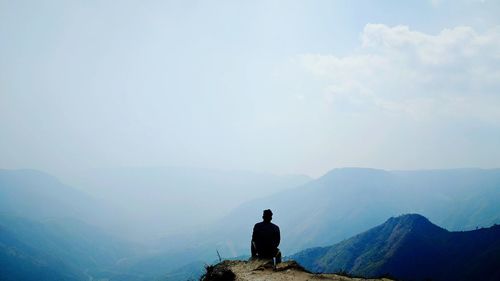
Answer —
347 201
38 195
410 247
151 198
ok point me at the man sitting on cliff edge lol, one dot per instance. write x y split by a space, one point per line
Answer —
266 238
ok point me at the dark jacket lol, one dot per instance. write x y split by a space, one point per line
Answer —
265 239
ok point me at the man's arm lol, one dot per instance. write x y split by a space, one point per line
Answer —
254 233
253 250
279 237
276 237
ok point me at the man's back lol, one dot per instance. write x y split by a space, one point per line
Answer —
266 237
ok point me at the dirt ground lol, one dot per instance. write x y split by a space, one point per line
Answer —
261 270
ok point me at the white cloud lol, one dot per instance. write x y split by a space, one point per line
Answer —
454 73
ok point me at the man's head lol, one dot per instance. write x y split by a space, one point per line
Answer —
267 215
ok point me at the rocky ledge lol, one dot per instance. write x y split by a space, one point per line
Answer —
264 270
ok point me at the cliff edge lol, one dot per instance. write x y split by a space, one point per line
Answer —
260 270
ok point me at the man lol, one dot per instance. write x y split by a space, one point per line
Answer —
266 238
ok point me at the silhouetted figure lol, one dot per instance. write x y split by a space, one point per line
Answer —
266 238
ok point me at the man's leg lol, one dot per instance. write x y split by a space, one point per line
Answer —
278 256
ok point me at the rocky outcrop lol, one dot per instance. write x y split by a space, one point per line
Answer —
260 270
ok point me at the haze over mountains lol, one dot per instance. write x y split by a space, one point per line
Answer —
347 201
50 230
37 195
160 201
78 227
137 203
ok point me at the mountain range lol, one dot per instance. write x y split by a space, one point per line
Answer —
347 201
153 202
341 204
411 248
54 230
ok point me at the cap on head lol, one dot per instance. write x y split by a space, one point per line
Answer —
267 215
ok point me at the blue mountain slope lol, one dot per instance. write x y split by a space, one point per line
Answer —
22 262
59 246
410 247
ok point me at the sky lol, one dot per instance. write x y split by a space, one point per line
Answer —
270 86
